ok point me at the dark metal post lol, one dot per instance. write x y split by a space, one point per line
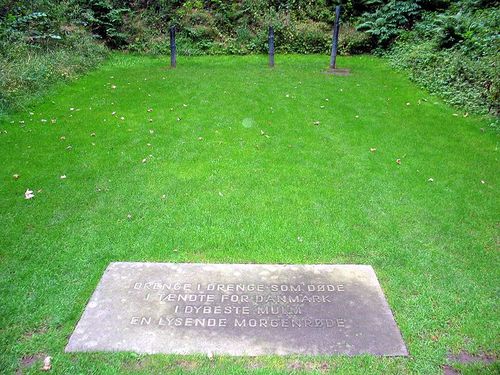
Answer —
335 38
271 46
173 48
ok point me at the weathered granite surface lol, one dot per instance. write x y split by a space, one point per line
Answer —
238 309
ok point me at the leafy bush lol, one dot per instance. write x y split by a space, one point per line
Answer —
452 52
26 73
310 37
106 21
352 41
459 79
387 22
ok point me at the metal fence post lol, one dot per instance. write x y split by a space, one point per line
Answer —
335 38
173 48
271 46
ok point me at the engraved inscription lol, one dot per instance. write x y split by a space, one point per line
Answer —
264 306
238 309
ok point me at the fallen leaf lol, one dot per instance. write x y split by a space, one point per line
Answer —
316 122
398 161
200 138
15 176
150 120
150 109
122 118
151 131
483 182
71 109
63 177
373 149
300 239
430 179
28 194
163 196
47 364
144 160
113 87
129 216
408 103
113 113
92 134
62 138
53 120
220 193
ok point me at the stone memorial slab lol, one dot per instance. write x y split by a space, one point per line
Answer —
238 309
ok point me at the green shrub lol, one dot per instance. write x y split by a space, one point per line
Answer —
453 52
387 22
26 73
106 21
352 41
461 80
310 37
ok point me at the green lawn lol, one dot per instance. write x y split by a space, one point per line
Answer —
230 167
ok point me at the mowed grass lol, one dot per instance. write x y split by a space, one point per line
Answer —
228 166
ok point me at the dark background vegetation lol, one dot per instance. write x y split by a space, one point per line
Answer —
450 47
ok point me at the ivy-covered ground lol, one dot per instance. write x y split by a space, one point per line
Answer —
225 160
